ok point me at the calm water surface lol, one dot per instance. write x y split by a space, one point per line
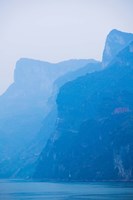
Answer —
17 190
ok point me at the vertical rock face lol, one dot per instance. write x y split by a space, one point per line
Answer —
94 135
23 107
115 42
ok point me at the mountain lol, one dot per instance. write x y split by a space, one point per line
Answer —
34 79
31 154
23 108
115 42
93 139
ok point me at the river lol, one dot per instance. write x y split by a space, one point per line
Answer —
28 190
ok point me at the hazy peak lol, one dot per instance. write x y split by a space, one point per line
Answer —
116 41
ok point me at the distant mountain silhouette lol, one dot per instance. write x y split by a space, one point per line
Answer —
24 106
30 155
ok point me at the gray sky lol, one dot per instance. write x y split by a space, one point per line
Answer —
55 30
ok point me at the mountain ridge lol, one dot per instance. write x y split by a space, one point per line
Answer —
95 112
23 108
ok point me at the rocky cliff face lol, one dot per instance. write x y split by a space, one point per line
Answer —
23 108
115 42
33 82
50 121
94 135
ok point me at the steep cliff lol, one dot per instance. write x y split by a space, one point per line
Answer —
94 135
23 108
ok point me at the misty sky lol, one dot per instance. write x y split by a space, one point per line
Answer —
55 30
